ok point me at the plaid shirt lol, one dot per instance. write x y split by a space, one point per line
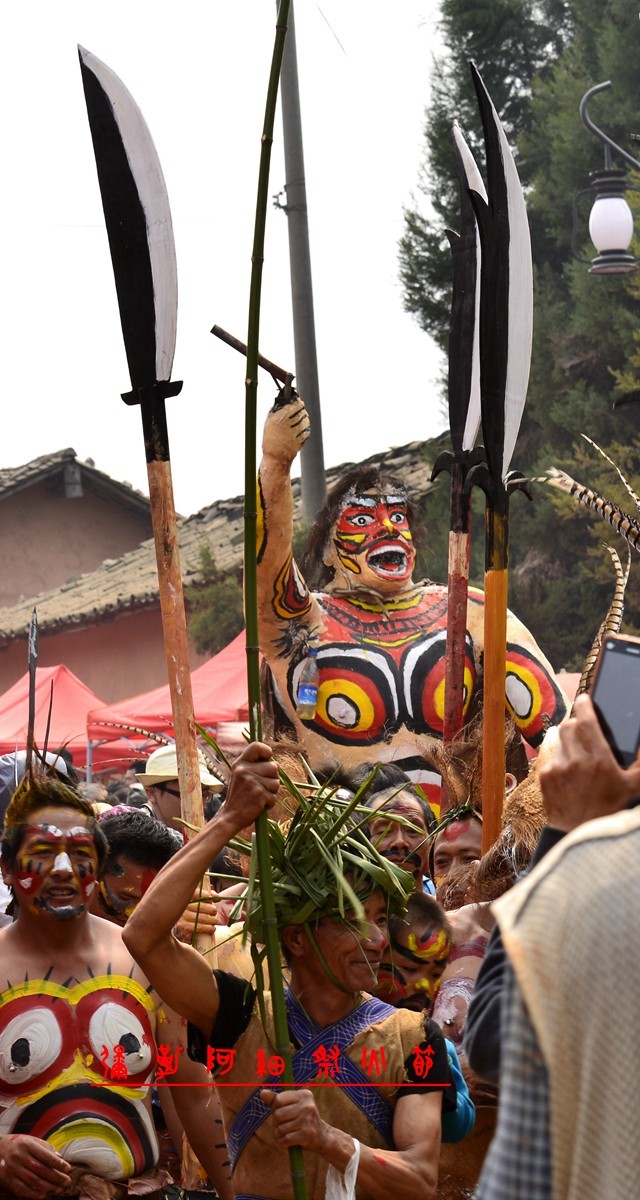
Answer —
518 1164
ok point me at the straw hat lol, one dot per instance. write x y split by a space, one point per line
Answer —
162 767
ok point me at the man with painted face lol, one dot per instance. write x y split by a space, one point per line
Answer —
75 1005
138 847
404 841
380 637
455 847
78 1020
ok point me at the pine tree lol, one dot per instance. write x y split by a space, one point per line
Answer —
538 60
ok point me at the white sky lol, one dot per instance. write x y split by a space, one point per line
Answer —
198 70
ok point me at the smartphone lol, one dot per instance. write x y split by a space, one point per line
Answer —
615 693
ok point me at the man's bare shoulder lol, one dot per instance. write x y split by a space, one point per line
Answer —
98 951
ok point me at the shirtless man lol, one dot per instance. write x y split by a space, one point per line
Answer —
79 1023
76 1011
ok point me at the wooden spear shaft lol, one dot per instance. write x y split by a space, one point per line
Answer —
494 672
174 624
457 592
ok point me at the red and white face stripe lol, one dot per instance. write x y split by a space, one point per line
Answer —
372 535
56 868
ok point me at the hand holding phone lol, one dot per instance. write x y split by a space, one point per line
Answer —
582 780
616 694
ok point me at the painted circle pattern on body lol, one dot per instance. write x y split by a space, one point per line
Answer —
52 1078
531 694
365 694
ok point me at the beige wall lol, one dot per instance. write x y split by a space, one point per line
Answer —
116 660
46 539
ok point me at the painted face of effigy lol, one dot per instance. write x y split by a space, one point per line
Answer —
371 543
56 865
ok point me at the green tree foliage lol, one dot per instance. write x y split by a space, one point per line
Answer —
215 606
537 60
509 40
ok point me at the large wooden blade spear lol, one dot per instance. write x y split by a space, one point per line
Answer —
283 1044
140 232
464 422
506 324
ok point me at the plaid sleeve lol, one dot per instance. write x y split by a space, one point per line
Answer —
518 1163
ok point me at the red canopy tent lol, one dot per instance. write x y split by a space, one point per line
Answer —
219 694
72 701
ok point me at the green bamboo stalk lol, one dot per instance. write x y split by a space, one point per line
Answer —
298 1179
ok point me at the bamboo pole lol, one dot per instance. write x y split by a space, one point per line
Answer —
283 1046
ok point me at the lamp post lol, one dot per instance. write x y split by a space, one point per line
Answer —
611 219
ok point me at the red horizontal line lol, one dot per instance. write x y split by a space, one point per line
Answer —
258 1083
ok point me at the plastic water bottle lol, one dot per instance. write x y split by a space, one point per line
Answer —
307 695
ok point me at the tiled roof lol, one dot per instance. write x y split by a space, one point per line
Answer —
15 479
131 583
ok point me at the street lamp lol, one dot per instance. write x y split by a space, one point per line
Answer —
611 219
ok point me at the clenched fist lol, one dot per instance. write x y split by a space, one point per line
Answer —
286 431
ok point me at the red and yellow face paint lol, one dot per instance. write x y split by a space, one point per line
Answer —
121 889
52 1050
412 968
457 845
56 869
372 539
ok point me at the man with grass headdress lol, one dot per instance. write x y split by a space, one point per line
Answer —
380 1126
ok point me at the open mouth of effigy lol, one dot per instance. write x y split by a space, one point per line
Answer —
390 561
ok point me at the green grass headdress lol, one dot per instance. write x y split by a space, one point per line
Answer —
322 865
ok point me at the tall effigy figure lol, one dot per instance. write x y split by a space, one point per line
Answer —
378 637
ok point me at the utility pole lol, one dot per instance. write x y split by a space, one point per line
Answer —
314 488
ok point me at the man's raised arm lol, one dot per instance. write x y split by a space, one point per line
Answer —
178 973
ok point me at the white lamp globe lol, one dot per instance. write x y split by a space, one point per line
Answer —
611 224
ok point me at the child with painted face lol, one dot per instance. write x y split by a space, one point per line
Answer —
416 956
409 977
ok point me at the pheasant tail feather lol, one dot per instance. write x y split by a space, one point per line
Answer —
612 622
619 520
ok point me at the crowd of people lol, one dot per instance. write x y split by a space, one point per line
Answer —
416 1030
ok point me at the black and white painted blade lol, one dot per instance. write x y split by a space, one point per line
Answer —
506 317
471 334
138 220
